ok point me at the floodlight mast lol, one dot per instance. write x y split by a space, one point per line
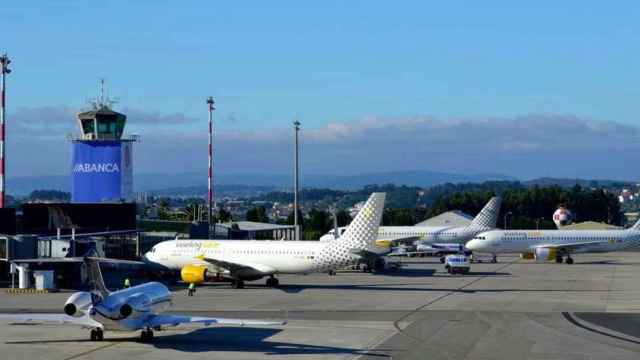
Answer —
4 70
210 102
296 181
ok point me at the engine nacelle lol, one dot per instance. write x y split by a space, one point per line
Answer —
136 304
527 256
545 254
77 303
193 274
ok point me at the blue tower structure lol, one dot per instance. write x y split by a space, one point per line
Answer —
102 161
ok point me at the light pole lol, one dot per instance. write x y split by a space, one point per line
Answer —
505 219
538 223
210 102
296 182
4 69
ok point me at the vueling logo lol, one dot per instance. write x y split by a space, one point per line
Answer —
96 168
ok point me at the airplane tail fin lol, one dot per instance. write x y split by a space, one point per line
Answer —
95 276
488 216
363 230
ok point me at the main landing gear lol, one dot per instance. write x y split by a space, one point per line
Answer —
272 281
146 335
568 261
494 259
97 334
237 284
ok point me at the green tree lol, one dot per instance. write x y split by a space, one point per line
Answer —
224 216
257 214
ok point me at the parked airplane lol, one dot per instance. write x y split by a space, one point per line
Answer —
545 245
134 308
421 236
254 259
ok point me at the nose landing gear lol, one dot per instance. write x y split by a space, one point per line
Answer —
273 282
97 334
146 335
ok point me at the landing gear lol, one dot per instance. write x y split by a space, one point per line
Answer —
97 335
273 282
494 259
569 260
146 335
558 259
442 260
237 284
332 273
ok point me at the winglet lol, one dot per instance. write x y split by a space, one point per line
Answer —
95 276
488 216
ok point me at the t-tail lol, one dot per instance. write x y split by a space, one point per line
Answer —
95 276
487 218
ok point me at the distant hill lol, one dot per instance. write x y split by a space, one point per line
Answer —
173 182
547 181
192 184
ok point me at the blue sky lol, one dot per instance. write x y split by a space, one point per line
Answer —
329 62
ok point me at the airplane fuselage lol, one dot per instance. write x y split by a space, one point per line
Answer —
523 241
144 300
275 257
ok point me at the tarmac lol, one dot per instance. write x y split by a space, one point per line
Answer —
515 309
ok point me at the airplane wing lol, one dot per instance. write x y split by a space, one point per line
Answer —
62 319
175 320
236 265
571 246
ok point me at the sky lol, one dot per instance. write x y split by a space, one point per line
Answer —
527 90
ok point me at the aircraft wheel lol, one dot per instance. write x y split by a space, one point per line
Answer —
494 259
569 260
146 335
559 259
99 334
332 273
238 284
272 282
93 335
442 260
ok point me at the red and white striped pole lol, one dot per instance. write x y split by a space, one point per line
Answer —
210 194
4 69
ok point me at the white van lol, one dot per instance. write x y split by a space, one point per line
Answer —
457 264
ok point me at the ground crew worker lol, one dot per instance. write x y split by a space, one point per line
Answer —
192 289
127 283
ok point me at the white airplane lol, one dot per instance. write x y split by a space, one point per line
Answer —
545 245
445 236
254 259
134 308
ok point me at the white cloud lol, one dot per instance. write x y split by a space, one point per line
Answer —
524 146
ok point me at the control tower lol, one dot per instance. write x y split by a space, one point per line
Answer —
102 162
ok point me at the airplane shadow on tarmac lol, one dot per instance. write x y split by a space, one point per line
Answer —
230 339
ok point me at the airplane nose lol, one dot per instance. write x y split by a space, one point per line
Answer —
474 245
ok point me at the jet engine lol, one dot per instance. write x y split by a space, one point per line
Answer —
527 256
77 303
136 304
545 254
193 274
